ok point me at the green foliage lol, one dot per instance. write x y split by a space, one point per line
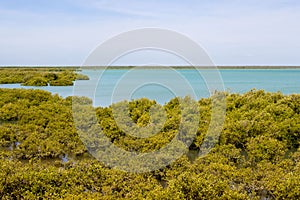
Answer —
257 156
36 81
81 77
40 76
61 82
40 122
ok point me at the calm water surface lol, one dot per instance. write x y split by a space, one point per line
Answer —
235 80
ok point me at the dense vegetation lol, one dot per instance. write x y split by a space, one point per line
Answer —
40 76
257 156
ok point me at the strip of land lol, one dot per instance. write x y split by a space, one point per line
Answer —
156 67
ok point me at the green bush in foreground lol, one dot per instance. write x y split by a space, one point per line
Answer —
257 156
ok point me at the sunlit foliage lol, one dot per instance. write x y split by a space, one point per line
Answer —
257 156
40 76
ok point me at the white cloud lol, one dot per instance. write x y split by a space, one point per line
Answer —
229 30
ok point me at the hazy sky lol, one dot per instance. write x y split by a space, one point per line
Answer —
233 32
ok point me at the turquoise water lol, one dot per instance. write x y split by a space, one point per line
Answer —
102 89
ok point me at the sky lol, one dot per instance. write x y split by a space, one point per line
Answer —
233 32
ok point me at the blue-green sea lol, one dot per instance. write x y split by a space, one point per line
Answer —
106 86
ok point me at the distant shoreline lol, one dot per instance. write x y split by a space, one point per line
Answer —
157 67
